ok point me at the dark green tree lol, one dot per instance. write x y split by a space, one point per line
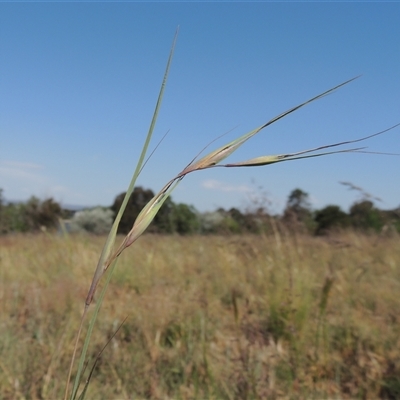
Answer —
3 222
298 201
184 219
139 198
13 218
50 212
2 203
298 214
38 214
249 222
364 216
331 217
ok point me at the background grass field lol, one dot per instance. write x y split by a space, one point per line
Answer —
209 317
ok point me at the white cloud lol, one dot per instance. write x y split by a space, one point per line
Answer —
20 165
21 171
213 184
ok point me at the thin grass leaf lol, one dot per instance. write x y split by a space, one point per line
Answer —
88 336
113 233
377 152
154 150
82 395
109 245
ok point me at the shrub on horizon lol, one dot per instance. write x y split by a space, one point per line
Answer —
96 220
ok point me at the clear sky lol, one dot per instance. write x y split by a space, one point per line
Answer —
79 82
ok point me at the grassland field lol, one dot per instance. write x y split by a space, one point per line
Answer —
208 317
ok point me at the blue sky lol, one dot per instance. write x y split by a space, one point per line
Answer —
79 82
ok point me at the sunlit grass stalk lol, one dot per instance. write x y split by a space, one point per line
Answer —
326 289
109 257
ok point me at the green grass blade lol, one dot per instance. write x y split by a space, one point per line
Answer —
90 331
83 393
109 244
113 233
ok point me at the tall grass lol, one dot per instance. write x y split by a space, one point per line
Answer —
208 317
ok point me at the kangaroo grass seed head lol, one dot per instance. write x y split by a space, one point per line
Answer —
214 158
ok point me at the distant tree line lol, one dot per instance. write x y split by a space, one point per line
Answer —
178 218
34 215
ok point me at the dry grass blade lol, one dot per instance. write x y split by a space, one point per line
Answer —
82 395
359 189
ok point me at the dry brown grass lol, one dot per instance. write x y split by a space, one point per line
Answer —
240 317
